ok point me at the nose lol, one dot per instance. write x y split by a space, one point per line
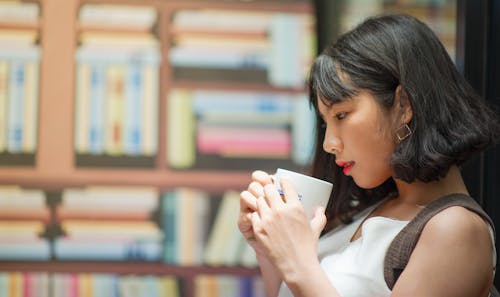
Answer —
332 143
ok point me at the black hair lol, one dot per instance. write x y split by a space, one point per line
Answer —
450 121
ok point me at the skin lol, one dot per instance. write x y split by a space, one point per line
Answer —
453 256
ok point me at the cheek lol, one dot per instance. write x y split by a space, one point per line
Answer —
374 152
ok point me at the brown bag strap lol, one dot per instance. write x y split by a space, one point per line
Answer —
402 246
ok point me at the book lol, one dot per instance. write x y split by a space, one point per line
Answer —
208 40
114 97
169 226
15 122
222 20
119 230
124 40
168 286
19 12
30 107
97 109
109 214
34 250
150 105
285 70
4 93
82 103
111 198
185 222
18 37
222 237
218 58
180 130
117 16
15 197
108 250
193 209
303 129
132 121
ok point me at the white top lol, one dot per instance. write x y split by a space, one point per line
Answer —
356 269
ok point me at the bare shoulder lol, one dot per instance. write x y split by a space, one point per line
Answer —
455 247
457 224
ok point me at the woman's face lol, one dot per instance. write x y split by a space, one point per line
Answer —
359 134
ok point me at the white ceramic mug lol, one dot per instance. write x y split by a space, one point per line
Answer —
313 192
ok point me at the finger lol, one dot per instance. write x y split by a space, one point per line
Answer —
255 219
247 201
261 177
318 222
262 207
289 191
256 189
272 196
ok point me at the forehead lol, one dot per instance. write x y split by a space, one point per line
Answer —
325 105
363 100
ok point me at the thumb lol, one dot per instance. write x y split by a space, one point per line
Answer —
318 222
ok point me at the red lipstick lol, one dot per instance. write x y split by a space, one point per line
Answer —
347 166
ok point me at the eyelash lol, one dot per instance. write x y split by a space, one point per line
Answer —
341 115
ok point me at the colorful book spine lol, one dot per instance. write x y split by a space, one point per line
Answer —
180 126
150 110
97 110
30 107
114 102
4 96
285 69
303 131
169 226
83 79
221 236
16 107
133 110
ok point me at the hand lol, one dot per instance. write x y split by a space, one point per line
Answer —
283 230
248 205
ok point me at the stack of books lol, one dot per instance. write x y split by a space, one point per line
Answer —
116 109
243 46
202 230
108 223
19 76
24 215
222 129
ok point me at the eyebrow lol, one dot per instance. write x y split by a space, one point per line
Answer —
332 107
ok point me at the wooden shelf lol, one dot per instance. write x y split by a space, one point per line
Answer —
19 25
55 166
292 6
209 180
140 268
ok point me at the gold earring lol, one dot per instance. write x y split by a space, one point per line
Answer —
403 132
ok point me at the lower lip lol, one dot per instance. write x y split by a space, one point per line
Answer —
347 169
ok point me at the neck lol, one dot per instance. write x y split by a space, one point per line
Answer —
421 193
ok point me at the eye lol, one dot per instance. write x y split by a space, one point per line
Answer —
341 115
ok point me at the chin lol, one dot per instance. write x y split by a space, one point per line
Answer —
368 184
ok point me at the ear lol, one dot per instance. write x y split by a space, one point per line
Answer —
403 106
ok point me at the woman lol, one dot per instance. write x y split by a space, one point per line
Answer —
395 120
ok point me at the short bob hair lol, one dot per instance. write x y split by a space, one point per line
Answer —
450 121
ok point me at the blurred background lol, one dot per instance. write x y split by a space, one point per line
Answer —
129 127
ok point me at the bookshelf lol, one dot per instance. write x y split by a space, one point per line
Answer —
55 166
